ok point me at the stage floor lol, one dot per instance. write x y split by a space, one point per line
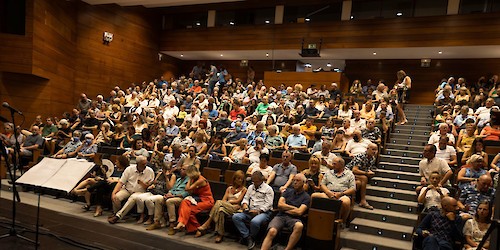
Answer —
63 218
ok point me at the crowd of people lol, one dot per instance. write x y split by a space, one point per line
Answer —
168 128
457 175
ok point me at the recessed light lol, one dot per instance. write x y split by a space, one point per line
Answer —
231 23
308 19
267 54
374 53
182 55
221 55
352 17
268 22
399 14
328 65
440 52
198 24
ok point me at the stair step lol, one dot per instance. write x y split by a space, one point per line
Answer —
418 113
418 122
384 229
411 131
413 148
398 167
359 240
394 183
400 159
410 136
405 153
413 127
400 218
399 175
413 142
392 204
393 193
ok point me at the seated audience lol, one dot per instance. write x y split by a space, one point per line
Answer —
356 145
313 175
134 181
256 207
292 206
446 152
238 152
470 172
476 148
70 149
282 176
296 142
475 229
262 167
229 205
338 184
200 199
472 195
432 194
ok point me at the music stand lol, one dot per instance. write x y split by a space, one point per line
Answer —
15 194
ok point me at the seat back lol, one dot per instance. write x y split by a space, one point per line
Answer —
212 174
218 189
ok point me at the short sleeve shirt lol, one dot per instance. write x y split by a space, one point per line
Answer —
283 173
340 183
131 176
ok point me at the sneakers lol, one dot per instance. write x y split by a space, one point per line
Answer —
154 226
113 219
250 243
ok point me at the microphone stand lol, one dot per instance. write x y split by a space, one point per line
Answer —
15 194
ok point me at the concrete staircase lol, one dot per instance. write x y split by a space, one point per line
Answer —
390 225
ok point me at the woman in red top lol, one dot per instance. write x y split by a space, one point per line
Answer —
201 199
491 133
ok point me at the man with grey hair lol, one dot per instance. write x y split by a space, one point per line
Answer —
325 156
259 132
443 131
338 184
134 181
291 205
296 142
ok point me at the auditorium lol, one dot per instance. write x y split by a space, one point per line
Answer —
249 124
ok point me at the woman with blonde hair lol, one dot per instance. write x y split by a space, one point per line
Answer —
313 175
229 205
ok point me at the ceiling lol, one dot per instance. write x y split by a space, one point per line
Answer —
156 3
333 55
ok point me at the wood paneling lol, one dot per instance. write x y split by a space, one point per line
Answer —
305 78
453 30
424 80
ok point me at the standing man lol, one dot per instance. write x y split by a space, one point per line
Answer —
430 164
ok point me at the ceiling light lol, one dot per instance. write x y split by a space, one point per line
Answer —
374 53
231 23
198 24
399 14
182 55
221 55
440 52
328 65
352 17
268 22
267 54
308 19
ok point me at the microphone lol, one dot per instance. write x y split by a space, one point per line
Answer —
3 119
6 105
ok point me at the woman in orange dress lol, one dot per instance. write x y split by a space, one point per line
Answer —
201 199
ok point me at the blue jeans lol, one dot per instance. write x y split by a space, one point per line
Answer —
431 242
256 222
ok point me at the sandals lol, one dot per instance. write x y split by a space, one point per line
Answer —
366 205
86 207
404 122
97 213
200 232
218 238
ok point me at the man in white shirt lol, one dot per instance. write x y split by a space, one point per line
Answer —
170 110
256 207
134 181
443 131
483 113
446 152
357 144
430 164
357 121
325 156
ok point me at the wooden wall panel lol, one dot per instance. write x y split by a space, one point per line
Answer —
424 80
132 56
305 78
453 30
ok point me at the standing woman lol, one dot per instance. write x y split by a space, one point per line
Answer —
229 205
403 85
200 199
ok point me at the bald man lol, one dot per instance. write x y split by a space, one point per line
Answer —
363 166
472 195
441 228
134 181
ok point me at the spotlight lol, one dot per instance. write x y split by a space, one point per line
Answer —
221 55
440 52
374 53
267 54
198 24
399 14
307 19
231 23
329 65
268 22
182 55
